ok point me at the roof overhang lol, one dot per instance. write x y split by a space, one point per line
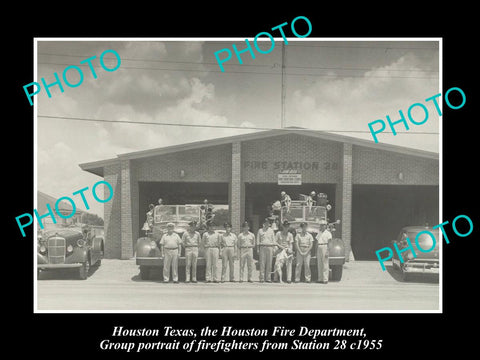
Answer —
97 167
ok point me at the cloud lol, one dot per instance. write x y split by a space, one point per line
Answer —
195 107
144 50
350 103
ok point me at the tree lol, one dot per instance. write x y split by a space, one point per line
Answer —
92 219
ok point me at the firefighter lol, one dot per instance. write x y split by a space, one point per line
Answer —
157 218
265 247
311 200
206 209
228 249
170 244
150 216
160 203
246 243
284 240
190 242
303 245
323 238
211 243
285 200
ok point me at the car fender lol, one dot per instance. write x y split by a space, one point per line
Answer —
144 249
79 255
42 259
336 248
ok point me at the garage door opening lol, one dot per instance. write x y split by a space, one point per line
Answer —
259 198
380 211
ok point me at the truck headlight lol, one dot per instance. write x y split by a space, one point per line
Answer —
153 244
69 248
80 242
43 249
409 255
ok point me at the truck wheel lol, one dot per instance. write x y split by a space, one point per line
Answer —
144 272
337 271
98 263
84 269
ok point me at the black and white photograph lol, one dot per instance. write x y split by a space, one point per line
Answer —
297 175
211 181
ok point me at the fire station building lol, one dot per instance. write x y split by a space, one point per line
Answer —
374 189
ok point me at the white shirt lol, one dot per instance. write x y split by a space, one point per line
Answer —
324 237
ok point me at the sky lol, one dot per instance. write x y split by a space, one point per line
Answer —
337 86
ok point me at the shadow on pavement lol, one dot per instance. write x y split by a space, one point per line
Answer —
64 274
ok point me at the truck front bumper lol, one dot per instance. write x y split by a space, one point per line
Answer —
57 266
421 268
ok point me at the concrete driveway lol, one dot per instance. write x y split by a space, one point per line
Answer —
116 286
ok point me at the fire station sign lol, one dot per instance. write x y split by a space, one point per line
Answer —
289 179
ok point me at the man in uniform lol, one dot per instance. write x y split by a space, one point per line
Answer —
157 218
206 210
170 244
160 203
303 244
310 201
211 243
323 238
228 249
284 240
246 243
265 247
149 220
285 200
190 242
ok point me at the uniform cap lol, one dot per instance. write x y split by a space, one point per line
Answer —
303 224
225 225
266 221
192 223
283 193
245 224
170 224
285 223
323 222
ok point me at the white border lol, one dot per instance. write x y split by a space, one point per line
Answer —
378 39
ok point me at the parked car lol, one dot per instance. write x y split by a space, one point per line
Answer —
69 248
424 262
297 213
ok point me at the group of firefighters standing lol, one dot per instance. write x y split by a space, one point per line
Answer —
230 247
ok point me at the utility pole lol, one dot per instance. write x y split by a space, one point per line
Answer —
282 124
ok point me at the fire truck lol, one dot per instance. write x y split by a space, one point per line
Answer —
147 249
311 212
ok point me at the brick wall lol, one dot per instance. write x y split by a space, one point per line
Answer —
339 163
126 211
208 164
134 194
291 148
111 213
237 189
371 166
346 219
